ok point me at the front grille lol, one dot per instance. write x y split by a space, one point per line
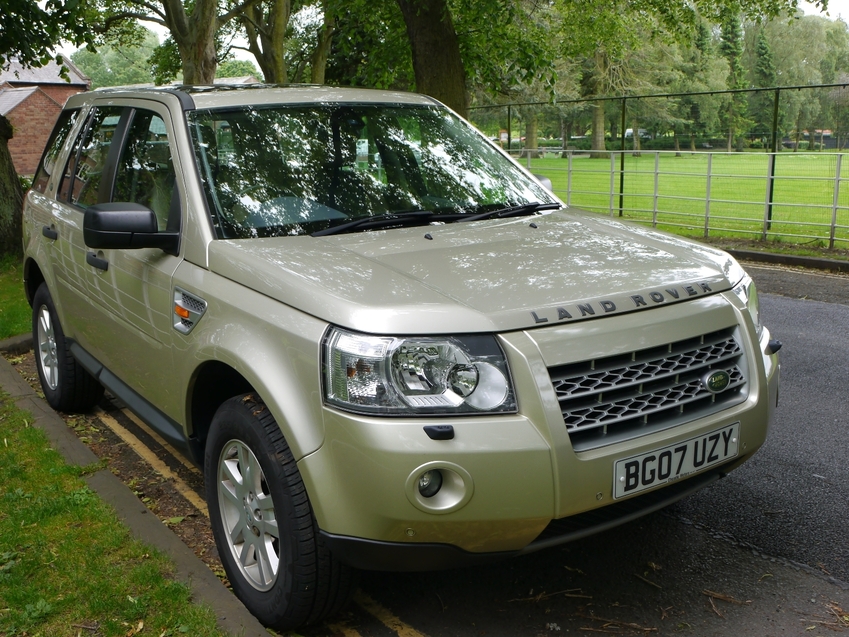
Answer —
610 399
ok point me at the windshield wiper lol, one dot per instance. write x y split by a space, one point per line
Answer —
513 211
387 220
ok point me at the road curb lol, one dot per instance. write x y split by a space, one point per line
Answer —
232 617
17 344
815 263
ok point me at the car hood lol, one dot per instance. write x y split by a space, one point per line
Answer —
484 276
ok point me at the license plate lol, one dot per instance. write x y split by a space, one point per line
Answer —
667 464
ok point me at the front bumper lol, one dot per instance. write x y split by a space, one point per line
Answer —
518 484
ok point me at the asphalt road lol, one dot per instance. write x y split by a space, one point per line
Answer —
792 499
771 540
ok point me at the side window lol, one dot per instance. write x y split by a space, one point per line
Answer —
81 181
63 127
145 173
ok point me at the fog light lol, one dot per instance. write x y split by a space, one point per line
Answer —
430 482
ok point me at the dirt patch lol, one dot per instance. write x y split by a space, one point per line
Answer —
810 249
156 492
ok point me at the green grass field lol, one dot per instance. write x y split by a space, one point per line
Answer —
803 193
15 313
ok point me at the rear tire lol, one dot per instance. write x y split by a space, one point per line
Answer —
261 518
67 386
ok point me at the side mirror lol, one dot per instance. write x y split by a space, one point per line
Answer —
545 181
124 225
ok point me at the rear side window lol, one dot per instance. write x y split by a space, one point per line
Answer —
84 171
46 168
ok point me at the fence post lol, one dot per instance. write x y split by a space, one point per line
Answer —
835 201
622 161
707 195
656 184
775 147
612 182
509 128
770 177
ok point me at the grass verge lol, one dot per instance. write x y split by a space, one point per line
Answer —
67 564
15 313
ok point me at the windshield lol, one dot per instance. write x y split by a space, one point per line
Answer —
291 170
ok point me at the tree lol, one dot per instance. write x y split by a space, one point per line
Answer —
114 65
236 68
194 29
731 47
701 71
762 104
266 23
28 32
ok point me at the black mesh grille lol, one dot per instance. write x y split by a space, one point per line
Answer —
619 397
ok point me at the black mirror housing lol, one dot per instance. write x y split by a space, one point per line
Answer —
125 225
545 181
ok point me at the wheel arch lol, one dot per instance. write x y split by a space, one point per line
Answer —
214 383
33 277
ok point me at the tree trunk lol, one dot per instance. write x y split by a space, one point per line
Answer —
531 137
267 38
599 149
322 49
11 197
437 64
635 134
677 144
693 142
194 35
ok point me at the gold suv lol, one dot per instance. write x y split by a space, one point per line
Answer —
388 345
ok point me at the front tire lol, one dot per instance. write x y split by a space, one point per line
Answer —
263 524
66 385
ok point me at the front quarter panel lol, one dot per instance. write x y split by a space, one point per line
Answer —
274 347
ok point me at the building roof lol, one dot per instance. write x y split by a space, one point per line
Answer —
16 74
245 80
10 98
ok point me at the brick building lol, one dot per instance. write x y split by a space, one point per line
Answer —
31 100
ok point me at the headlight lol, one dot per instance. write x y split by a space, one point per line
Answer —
748 293
407 375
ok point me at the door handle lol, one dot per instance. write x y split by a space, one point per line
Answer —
93 260
50 233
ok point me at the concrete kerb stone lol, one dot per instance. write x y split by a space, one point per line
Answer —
232 617
813 263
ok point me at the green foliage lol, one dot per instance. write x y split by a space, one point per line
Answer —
370 47
237 68
165 63
118 65
762 105
30 30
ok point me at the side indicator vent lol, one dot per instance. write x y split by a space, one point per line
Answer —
188 310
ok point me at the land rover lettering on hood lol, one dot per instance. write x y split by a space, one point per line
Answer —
387 345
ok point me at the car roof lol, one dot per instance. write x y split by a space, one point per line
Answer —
203 97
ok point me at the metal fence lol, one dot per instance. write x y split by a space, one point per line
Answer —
661 163
795 197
